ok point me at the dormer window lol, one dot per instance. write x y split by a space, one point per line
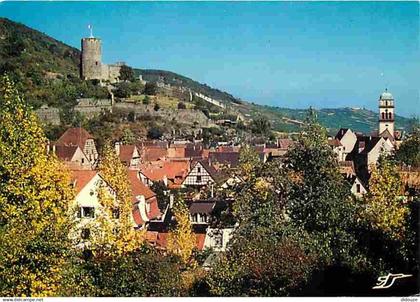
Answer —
87 212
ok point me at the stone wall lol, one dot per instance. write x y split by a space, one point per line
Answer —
183 116
91 59
92 107
49 115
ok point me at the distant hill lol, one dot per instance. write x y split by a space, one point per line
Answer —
30 53
358 119
47 71
282 119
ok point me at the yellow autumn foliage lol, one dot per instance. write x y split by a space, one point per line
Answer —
384 205
35 193
120 232
181 240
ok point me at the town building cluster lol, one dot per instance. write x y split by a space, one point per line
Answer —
193 169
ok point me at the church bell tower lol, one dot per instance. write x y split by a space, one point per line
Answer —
386 113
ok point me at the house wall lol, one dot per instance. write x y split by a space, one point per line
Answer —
348 141
88 197
198 172
80 158
354 188
90 150
381 147
213 237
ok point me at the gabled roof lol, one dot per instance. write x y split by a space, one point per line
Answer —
217 176
388 135
202 207
138 188
126 152
230 158
80 178
74 137
370 142
168 169
341 133
65 153
153 153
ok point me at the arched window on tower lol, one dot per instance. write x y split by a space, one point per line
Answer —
390 115
383 115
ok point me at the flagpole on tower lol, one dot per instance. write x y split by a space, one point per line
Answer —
91 30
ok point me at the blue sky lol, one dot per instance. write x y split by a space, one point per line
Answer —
287 54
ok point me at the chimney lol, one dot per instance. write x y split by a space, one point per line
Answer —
117 148
53 148
48 146
171 201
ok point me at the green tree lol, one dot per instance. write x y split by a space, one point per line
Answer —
128 137
150 88
123 90
35 193
409 151
154 133
146 100
320 201
126 73
260 125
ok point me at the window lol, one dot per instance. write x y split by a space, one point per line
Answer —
390 115
198 169
83 160
358 188
85 234
383 115
218 240
199 178
203 218
88 212
116 213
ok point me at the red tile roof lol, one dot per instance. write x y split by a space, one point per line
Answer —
153 153
137 187
126 153
161 239
81 178
65 153
171 169
74 137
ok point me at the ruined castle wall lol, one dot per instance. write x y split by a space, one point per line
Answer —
185 116
49 115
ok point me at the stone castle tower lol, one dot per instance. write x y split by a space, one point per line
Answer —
91 59
386 113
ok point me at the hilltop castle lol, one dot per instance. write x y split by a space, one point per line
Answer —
91 66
